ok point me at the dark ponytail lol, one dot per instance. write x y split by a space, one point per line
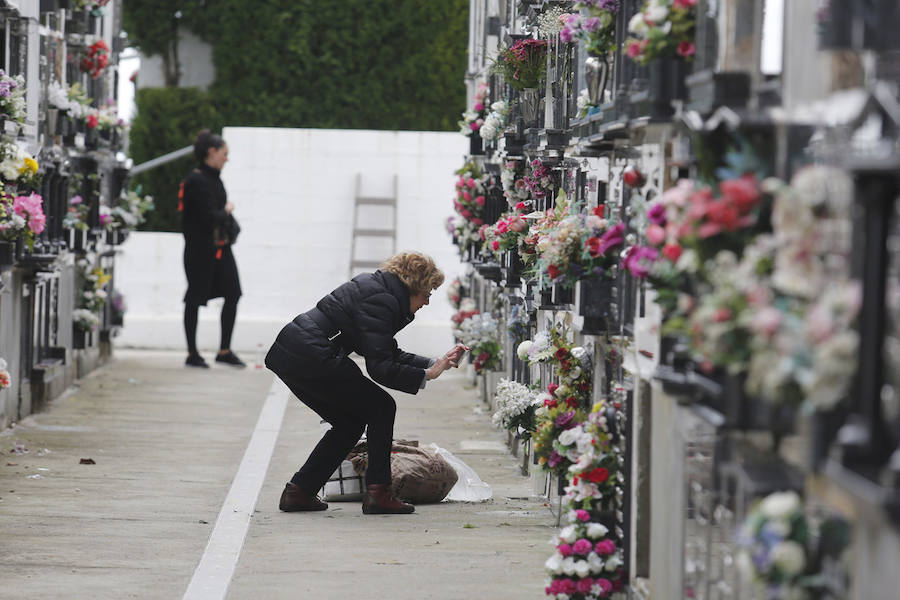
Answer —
206 140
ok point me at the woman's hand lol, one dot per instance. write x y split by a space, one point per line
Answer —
229 207
447 361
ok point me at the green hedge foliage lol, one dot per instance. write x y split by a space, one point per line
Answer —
358 64
168 119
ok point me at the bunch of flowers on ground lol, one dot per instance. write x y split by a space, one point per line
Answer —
5 380
662 29
473 120
12 97
595 25
524 64
516 404
21 217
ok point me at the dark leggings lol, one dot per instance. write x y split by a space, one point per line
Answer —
229 314
351 403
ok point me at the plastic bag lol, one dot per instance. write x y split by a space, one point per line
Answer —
469 487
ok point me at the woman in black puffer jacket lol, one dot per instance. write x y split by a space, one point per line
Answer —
311 356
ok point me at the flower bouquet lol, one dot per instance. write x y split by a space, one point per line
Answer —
93 281
523 64
96 59
662 29
18 167
12 97
516 404
595 25
505 234
455 293
495 123
473 120
85 319
479 331
21 217
512 178
470 193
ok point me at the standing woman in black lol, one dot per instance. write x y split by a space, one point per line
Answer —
209 231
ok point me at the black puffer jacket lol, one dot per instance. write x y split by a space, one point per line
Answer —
368 311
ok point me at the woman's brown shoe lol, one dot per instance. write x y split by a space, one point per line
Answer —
380 501
294 499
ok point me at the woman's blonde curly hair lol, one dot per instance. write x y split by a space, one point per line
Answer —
416 270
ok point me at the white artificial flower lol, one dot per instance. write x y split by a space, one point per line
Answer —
522 349
613 562
582 568
780 505
568 437
656 12
554 564
568 534
568 566
789 557
745 566
779 527
575 373
596 530
637 25
595 562
2 364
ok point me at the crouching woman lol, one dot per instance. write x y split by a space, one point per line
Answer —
310 355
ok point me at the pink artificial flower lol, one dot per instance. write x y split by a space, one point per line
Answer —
479 107
584 585
680 194
105 219
467 196
76 200
470 183
605 548
495 245
672 252
742 192
567 586
656 234
582 547
565 550
582 515
517 224
479 200
501 227
684 4
474 125
466 214
604 584
565 36
634 49
477 221
686 49
722 314
31 209
767 321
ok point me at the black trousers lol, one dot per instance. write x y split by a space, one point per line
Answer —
351 402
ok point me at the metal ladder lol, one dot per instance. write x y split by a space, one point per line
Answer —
358 265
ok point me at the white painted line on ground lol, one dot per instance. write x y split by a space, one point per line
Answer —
213 575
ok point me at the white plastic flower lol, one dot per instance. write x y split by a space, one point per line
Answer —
554 564
789 557
780 505
568 534
596 530
582 568
568 566
523 348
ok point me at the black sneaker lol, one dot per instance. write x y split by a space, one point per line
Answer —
230 359
195 360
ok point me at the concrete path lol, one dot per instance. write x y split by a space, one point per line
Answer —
167 443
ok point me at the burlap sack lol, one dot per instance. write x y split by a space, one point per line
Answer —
418 475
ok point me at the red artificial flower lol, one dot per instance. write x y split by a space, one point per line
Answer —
553 271
722 314
672 252
742 192
686 49
593 246
572 402
598 475
600 210
550 403
552 387
92 121
632 177
561 354
584 386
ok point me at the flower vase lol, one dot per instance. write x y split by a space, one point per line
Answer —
7 254
91 138
594 297
79 338
52 121
666 83
476 145
596 76
529 103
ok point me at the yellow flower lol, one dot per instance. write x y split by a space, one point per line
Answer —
31 164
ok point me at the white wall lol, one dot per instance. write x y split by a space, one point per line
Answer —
195 56
294 192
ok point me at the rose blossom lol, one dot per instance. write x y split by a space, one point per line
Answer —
686 49
584 585
656 234
582 515
565 550
582 547
605 547
604 584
